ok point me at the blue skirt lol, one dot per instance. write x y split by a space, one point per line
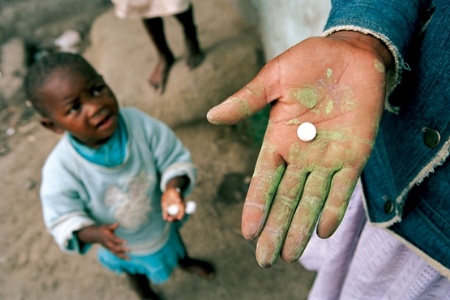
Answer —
157 266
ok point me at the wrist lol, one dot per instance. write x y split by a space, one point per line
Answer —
369 43
175 188
179 184
88 234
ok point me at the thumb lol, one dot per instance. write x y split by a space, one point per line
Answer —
245 102
113 226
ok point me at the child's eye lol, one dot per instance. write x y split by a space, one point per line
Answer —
75 108
97 90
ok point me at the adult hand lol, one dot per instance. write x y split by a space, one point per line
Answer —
338 84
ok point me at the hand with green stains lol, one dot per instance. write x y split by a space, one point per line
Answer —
338 84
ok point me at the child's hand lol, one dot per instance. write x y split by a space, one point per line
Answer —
105 236
338 84
173 205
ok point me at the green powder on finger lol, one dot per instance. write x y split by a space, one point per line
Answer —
255 89
244 108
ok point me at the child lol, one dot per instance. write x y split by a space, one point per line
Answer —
112 176
151 13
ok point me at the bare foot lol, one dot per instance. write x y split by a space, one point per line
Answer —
197 267
160 74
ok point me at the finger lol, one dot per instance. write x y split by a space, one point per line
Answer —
118 246
284 204
121 254
118 243
169 218
341 190
248 100
112 227
180 216
307 213
269 169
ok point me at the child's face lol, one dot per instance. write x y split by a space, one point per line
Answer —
81 104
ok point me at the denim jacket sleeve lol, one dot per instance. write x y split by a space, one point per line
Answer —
395 22
406 178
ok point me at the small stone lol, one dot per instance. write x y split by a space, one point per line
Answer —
10 131
30 184
4 149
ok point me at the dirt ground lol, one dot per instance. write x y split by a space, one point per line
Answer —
33 267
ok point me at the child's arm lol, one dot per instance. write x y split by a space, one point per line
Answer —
173 195
172 159
105 236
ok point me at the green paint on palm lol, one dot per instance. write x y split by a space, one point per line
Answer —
341 135
294 121
329 73
306 96
329 107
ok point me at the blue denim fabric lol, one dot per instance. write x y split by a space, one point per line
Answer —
401 160
398 20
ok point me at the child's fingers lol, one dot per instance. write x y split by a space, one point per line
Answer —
122 254
118 247
112 227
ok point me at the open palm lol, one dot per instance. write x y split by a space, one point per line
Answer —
340 88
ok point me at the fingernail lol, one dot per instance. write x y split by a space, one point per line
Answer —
210 117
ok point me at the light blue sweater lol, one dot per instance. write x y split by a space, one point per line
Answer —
76 193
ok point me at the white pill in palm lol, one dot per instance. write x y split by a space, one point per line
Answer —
173 210
306 132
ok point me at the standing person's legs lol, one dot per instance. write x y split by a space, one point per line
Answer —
194 53
155 29
195 266
141 285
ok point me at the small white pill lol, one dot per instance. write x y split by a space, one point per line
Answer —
306 132
173 210
191 206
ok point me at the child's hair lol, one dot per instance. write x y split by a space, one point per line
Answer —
39 71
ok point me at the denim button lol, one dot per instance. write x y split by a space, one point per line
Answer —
431 137
388 207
